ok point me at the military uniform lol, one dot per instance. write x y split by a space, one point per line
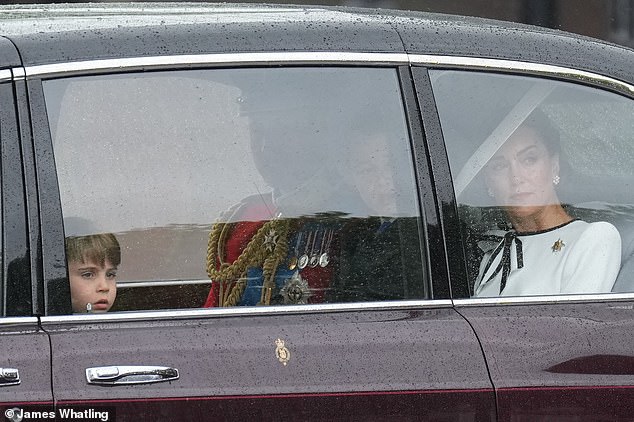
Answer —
281 261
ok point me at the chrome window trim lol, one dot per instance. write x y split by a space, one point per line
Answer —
5 75
18 321
18 73
145 283
319 57
217 59
455 62
199 313
538 300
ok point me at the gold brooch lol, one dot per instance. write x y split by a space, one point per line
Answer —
558 245
281 352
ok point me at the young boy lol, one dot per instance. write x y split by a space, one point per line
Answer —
92 270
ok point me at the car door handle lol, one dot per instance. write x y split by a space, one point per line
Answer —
128 375
9 376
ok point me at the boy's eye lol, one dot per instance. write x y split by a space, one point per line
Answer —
87 274
111 274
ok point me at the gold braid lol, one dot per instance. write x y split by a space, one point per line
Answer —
232 277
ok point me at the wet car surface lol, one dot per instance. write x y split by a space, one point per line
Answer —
296 196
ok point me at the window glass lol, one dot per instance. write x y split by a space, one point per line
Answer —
542 171
237 187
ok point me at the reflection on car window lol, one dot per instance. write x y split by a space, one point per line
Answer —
242 186
540 170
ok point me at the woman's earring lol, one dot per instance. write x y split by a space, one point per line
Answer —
556 180
490 192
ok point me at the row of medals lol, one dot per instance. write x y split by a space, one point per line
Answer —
317 256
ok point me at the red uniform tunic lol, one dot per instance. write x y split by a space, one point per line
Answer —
250 218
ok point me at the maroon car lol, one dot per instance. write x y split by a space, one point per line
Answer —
312 214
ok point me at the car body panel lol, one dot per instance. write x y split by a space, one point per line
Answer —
220 30
574 366
404 406
424 354
8 55
487 39
574 351
26 348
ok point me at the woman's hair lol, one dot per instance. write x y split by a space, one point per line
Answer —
544 127
97 248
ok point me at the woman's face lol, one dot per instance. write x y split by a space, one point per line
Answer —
520 174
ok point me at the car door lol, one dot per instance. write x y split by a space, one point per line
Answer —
352 320
25 363
550 355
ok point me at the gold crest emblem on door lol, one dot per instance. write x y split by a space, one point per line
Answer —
281 352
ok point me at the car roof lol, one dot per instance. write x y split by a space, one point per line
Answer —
56 33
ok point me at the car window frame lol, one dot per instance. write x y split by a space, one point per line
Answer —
50 276
53 255
17 261
27 348
441 171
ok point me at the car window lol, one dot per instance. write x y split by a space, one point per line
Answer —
542 171
225 187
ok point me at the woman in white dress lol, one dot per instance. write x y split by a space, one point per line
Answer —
547 252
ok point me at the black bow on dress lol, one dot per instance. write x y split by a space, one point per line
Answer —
505 263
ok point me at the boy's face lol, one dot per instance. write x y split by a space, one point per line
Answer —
92 283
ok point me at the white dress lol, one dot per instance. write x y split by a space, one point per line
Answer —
576 257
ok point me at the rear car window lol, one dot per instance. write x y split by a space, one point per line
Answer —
232 187
589 150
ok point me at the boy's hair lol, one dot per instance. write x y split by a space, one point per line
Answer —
96 248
